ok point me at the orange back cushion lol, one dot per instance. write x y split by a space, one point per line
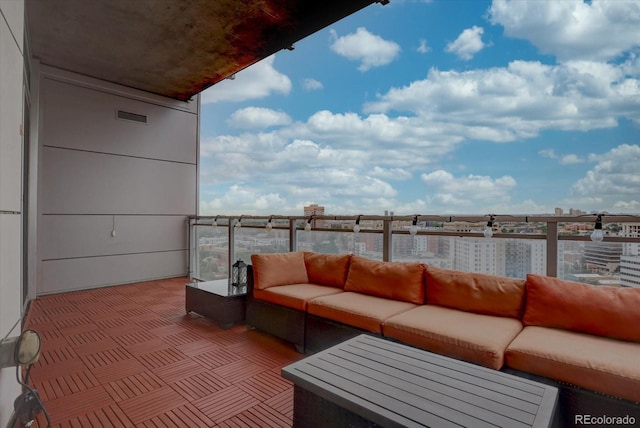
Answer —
600 310
327 269
391 280
475 292
278 269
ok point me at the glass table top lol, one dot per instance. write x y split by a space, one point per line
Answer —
220 287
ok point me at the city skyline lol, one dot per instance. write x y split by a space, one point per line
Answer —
435 107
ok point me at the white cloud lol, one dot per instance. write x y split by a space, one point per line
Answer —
519 101
390 173
616 175
570 159
468 43
242 200
548 153
632 206
564 159
446 190
257 81
423 48
312 85
369 49
572 29
258 117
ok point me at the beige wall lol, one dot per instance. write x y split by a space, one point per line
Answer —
11 107
101 174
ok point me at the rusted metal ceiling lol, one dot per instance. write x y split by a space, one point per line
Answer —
174 48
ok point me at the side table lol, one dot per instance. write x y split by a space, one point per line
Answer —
216 300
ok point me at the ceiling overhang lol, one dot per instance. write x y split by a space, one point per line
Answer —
175 48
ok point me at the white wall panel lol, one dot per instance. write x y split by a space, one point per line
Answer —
70 236
85 119
10 304
13 10
74 274
11 101
94 166
10 270
10 120
78 182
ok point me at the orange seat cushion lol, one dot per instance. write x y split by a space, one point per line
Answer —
600 310
357 310
327 269
477 338
391 280
598 363
278 269
475 292
294 296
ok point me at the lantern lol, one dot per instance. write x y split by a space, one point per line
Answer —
238 277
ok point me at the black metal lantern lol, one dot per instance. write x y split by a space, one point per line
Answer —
239 277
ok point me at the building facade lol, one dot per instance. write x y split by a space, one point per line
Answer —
630 258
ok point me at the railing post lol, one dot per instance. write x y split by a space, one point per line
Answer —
552 249
232 245
293 235
387 236
192 263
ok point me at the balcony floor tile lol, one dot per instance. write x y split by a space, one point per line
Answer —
128 356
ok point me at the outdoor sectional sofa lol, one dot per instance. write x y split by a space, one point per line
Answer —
581 338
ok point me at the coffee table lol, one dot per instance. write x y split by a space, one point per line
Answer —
370 381
216 300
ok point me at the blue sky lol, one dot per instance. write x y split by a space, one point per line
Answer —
435 107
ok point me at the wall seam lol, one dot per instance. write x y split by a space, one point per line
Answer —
116 255
118 154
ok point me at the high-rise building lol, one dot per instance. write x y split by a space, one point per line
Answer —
630 258
476 255
559 212
315 210
603 257
523 257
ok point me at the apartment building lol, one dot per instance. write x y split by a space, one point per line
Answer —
630 258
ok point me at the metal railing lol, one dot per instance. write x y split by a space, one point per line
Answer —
558 246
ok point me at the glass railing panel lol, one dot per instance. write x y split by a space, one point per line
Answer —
212 253
597 263
433 250
515 248
365 244
513 258
259 240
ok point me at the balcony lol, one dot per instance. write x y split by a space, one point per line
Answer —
129 355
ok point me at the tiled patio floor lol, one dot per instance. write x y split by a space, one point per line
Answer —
130 356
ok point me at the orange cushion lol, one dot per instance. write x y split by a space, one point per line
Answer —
357 310
327 269
391 280
476 338
294 296
600 310
278 269
475 292
605 365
